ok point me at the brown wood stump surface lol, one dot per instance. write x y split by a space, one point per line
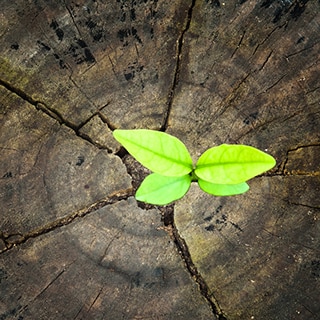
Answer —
74 243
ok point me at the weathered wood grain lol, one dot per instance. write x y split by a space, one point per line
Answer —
48 172
250 74
74 243
116 263
117 58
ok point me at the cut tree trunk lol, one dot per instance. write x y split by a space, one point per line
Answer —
74 244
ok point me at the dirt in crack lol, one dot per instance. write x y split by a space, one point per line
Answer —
168 220
138 173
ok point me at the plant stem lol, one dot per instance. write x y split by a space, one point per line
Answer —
194 178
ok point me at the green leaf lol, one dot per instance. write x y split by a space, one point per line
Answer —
161 190
232 164
157 151
223 189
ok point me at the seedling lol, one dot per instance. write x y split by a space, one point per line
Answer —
220 171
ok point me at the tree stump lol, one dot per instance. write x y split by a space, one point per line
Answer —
74 244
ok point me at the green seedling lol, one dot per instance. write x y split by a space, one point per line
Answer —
220 171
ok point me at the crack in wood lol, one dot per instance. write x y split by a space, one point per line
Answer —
266 60
90 306
56 115
231 98
175 80
238 45
309 310
37 104
72 18
302 50
104 119
41 292
266 38
195 274
273 120
312 90
95 300
56 277
275 83
183 250
302 205
282 166
82 92
116 236
50 284
12 240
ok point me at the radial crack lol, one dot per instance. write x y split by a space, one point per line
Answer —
168 220
39 105
177 67
239 44
266 60
16 239
266 38
72 18
275 83
303 205
56 115
204 289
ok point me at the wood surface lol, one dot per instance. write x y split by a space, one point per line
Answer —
74 243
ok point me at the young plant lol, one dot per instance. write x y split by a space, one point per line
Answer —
220 171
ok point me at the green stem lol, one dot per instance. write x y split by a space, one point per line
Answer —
194 178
